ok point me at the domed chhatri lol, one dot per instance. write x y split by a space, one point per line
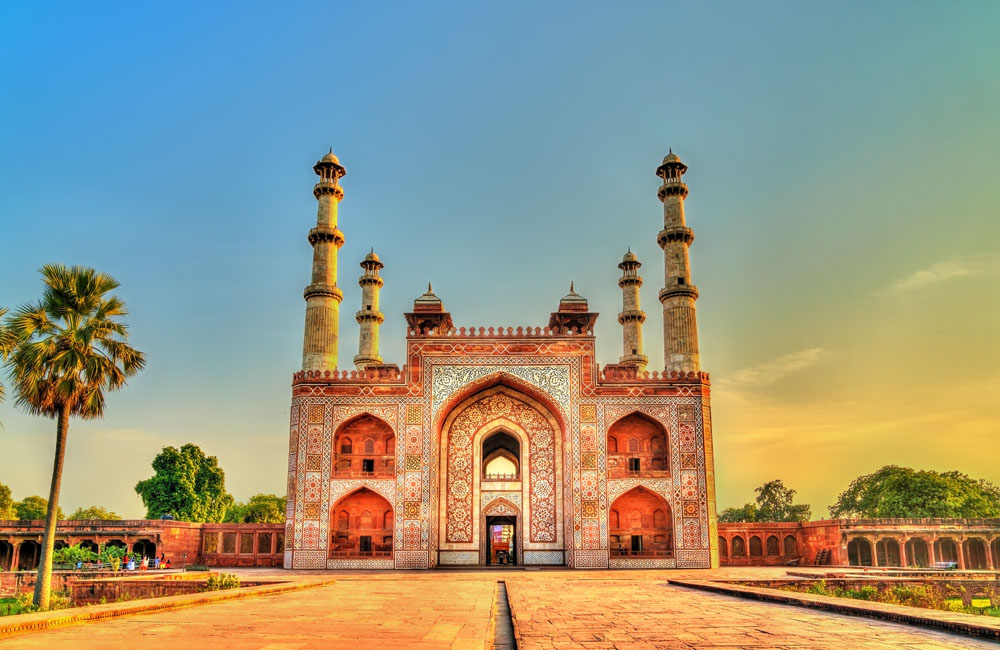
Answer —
572 298
428 298
329 169
372 256
671 169
630 257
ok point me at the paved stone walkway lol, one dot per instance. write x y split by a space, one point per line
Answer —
647 614
554 610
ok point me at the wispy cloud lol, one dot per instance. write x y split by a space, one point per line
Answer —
938 273
771 371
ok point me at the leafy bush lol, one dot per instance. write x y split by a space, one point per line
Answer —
73 554
222 581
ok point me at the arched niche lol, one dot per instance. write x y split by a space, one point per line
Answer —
640 525
363 526
364 446
637 446
501 454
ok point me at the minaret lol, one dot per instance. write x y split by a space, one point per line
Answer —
680 327
369 318
631 317
319 346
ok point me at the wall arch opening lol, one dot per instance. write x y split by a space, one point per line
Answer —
364 526
644 525
364 447
637 446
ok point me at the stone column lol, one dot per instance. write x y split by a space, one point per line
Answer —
989 554
960 545
902 551
15 555
930 551
874 544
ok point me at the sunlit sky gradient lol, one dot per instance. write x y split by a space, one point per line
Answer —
844 164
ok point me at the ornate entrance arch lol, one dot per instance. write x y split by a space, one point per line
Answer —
538 485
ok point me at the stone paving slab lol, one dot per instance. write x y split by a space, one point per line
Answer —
987 627
354 613
650 614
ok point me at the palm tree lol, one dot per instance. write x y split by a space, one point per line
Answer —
68 349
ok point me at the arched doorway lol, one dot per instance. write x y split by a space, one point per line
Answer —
502 539
6 555
644 527
364 447
975 553
887 552
916 552
637 446
945 550
772 547
723 548
144 548
791 547
28 555
89 545
739 547
859 552
362 523
995 550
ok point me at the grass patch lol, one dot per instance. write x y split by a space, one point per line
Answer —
946 597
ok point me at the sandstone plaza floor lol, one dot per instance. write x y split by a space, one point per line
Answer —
452 609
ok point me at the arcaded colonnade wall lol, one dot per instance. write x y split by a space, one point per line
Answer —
972 544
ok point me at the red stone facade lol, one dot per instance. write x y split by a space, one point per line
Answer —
183 542
969 543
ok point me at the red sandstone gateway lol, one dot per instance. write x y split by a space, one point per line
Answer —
500 445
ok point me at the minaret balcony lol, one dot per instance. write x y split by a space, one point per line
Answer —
324 234
678 290
675 234
369 317
632 316
323 291
331 189
672 189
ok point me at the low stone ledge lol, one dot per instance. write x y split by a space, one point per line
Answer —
19 623
960 623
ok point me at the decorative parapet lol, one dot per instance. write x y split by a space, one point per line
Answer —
371 375
622 373
501 332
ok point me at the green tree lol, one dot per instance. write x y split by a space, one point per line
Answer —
187 485
260 509
746 512
68 349
6 504
895 491
34 508
774 502
93 513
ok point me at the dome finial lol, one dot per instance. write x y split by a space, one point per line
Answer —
571 286
429 290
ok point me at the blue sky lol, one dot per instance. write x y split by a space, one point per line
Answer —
843 164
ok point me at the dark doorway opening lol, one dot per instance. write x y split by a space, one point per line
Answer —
365 544
368 465
501 540
636 543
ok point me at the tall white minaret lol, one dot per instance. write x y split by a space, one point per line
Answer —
319 345
369 318
632 317
680 326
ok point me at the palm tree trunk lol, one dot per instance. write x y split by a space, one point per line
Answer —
43 583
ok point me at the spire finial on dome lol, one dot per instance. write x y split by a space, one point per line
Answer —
571 286
429 290
331 148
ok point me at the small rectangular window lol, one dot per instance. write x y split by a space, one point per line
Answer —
637 543
633 464
368 465
680 280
